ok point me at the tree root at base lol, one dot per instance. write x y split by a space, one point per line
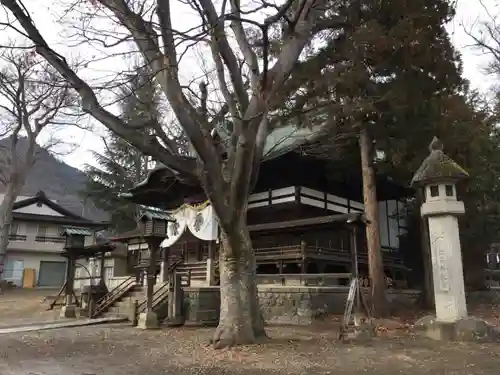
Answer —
227 337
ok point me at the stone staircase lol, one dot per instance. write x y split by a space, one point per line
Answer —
122 304
195 272
122 307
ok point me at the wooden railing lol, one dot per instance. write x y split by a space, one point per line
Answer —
195 270
160 294
328 252
292 252
279 252
111 297
319 279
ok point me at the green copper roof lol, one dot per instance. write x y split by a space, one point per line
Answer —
284 138
279 141
76 231
158 215
438 167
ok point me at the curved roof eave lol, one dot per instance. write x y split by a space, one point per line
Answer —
280 141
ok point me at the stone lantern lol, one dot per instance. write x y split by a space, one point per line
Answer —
154 225
438 176
153 229
74 242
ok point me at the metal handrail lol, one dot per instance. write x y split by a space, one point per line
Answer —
110 297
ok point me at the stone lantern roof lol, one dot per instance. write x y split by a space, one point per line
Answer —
438 167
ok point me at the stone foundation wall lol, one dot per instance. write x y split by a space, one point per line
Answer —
202 305
301 305
281 304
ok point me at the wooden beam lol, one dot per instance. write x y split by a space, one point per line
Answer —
300 223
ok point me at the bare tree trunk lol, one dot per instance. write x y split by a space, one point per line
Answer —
139 165
10 196
240 319
375 262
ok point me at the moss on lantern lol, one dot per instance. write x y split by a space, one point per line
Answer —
438 167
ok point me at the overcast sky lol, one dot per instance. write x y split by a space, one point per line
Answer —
468 13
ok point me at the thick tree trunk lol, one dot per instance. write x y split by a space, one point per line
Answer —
9 198
428 288
375 262
240 319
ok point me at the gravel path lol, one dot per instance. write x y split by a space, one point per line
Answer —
120 349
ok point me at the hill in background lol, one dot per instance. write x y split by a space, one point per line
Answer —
59 181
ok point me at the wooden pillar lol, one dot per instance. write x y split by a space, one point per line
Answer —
151 275
70 279
211 253
303 248
165 264
101 273
69 310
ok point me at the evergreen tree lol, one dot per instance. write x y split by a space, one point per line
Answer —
121 166
399 71
388 76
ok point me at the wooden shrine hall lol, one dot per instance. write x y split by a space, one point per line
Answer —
299 217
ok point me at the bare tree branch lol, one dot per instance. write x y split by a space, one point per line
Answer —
90 103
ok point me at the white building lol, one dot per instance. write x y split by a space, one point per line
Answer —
33 257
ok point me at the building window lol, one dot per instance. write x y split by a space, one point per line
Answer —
434 191
449 190
42 230
14 232
14 228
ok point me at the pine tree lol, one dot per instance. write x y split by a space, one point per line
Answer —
121 166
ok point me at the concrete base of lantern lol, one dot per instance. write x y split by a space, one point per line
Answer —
69 311
147 320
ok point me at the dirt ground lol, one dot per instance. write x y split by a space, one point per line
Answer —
124 350
109 350
24 306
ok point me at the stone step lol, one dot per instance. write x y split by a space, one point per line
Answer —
195 275
123 308
192 265
192 269
122 305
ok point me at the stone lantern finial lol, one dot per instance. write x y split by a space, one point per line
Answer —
438 167
435 145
